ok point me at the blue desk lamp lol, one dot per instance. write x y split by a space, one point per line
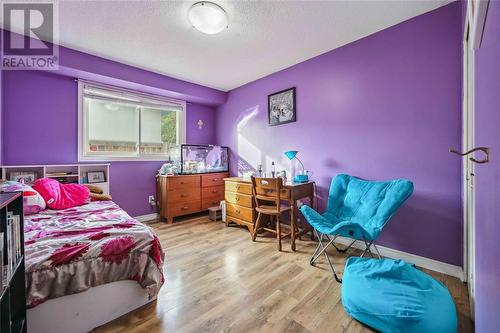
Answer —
300 178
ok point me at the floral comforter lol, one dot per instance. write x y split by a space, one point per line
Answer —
69 251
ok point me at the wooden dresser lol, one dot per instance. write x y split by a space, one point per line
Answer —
188 194
239 203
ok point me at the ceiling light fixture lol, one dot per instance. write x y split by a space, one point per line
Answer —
208 17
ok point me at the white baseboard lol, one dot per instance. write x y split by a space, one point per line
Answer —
147 218
423 262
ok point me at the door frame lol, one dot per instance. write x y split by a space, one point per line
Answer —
467 165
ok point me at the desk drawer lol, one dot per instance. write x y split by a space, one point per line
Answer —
216 179
183 182
239 199
285 194
244 188
240 212
188 194
183 208
212 192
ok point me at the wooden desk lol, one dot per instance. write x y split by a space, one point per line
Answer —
240 204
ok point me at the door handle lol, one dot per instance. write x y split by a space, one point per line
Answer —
485 150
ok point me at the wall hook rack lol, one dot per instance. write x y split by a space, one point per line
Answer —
485 150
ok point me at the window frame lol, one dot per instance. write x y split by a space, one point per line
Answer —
132 97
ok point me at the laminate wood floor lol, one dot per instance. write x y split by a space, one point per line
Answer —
218 280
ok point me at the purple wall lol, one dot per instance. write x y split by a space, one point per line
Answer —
206 134
40 126
383 107
487 122
82 65
1 116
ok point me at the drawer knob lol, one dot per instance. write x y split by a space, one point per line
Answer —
184 208
183 195
237 199
238 211
215 179
214 191
182 183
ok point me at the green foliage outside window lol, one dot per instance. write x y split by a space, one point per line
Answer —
169 127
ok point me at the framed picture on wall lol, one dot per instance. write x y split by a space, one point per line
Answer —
281 107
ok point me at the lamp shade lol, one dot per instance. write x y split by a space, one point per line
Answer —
291 154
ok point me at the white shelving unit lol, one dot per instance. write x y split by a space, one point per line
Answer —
70 173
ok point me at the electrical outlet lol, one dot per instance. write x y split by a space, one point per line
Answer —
152 200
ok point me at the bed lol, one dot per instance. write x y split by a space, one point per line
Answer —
88 265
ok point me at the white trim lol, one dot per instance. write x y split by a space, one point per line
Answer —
478 19
147 217
471 40
80 121
131 95
53 165
424 262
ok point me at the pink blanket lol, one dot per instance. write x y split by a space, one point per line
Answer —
69 251
61 196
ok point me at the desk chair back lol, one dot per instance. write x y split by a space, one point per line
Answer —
267 195
267 190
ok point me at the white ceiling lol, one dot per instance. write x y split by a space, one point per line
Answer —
263 36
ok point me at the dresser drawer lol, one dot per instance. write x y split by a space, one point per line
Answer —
212 192
216 179
240 212
188 194
209 202
183 208
239 199
183 182
244 188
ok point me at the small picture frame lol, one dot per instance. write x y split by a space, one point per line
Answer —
25 178
96 177
281 107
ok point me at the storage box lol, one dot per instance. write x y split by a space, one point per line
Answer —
215 213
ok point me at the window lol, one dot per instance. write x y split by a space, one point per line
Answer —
122 125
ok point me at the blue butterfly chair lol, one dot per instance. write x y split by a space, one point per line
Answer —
358 209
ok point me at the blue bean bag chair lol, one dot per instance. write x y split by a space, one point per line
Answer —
394 296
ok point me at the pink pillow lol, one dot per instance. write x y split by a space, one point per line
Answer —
61 196
32 200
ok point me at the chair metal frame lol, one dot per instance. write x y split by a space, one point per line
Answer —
328 227
317 253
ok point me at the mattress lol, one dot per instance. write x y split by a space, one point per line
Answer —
69 251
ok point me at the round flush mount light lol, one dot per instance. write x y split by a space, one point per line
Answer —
208 17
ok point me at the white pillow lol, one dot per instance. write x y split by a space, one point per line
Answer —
32 200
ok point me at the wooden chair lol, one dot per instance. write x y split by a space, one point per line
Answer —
268 201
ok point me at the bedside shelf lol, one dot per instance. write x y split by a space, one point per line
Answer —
64 173
59 176
13 294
